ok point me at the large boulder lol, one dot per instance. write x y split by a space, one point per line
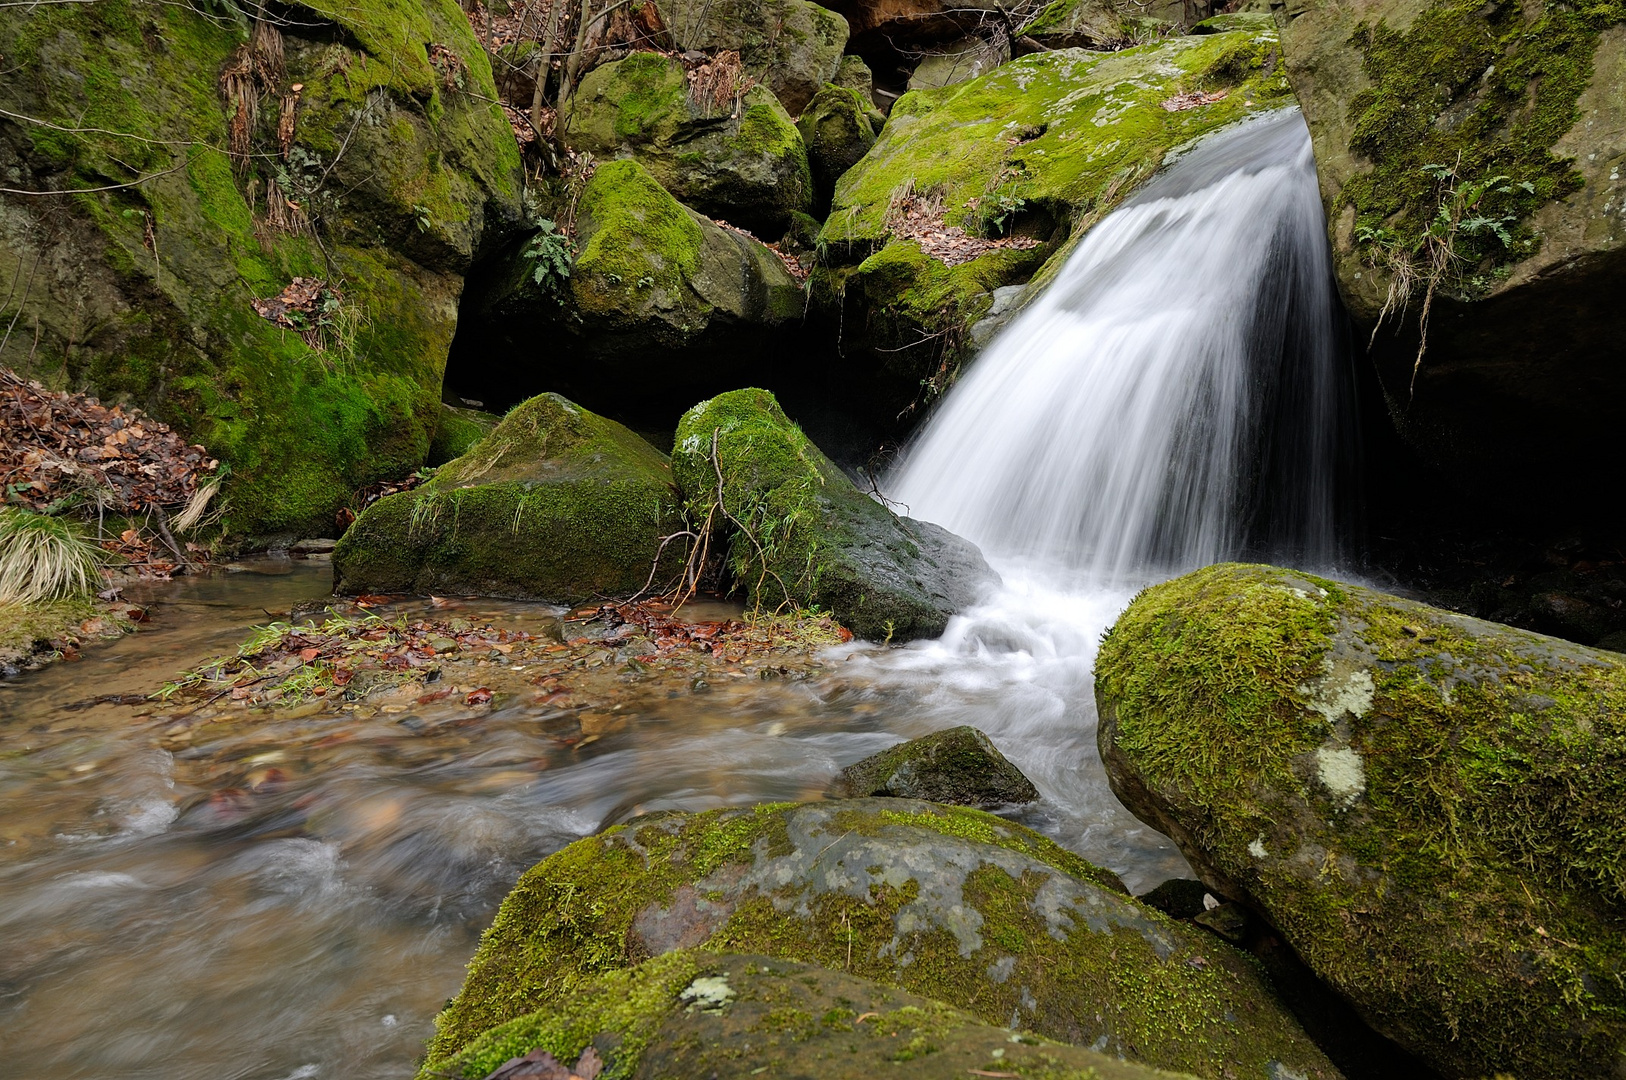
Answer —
691 1015
1019 161
555 504
1415 109
661 307
959 766
800 534
794 46
355 154
952 904
740 159
1081 24
1428 807
837 130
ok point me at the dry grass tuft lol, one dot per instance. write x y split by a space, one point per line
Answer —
45 558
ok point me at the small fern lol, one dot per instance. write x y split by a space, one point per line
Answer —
550 252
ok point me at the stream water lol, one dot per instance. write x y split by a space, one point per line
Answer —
296 897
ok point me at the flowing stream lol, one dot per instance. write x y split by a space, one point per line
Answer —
174 913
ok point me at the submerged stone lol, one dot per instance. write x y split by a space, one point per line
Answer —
952 904
801 535
555 504
958 766
693 1015
1427 806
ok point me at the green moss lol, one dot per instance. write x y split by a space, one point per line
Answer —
637 231
1484 90
1467 895
945 921
26 630
457 432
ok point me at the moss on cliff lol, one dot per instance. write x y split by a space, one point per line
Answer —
1427 806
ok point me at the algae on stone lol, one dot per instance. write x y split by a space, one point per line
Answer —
952 904
144 292
555 503
743 161
837 131
1427 806
692 1015
800 534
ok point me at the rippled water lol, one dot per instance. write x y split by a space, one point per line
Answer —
297 898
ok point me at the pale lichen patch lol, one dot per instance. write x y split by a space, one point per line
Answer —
1341 771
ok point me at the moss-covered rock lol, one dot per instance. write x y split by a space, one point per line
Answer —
743 161
952 904
457 432
958 61
837 130
691 1015
1042 147
143 291
793 46
555 504
1081 24
959 767
1414 105
662 306
801 535
1427 806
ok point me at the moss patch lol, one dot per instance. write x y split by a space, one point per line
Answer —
1428 806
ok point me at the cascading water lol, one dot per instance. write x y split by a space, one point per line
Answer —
1173 398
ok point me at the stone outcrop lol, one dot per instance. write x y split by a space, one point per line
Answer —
794 46
1426 806
959 767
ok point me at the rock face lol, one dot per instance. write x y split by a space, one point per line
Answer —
692 1015
1040 143
801 534
331 150
1519 379
958 766
740 159
837 130
660 304
952 904
792 45
555 504
1428 807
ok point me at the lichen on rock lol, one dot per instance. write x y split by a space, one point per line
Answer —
801 535
1427 806
952 904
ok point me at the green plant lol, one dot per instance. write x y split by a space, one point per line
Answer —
1465 230
551 253
999 209
45 558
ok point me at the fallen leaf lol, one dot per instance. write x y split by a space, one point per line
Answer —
481 696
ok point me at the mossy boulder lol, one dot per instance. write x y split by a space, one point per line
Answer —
838 131
741 161
952 904
143 292
457 432
662 306
555 504
1413 107
958 61
1040 148
793 46
1081 24
692 1015
800 534
960 767
1428 807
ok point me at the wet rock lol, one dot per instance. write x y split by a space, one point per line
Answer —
1518 391
978 912
1229 921
315 546
958 766
811 537
556 503
1427 806
742 159
792 45
699 1015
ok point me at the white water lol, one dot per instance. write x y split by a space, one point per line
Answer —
1172 400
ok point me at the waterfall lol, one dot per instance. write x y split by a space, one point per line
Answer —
1174 397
